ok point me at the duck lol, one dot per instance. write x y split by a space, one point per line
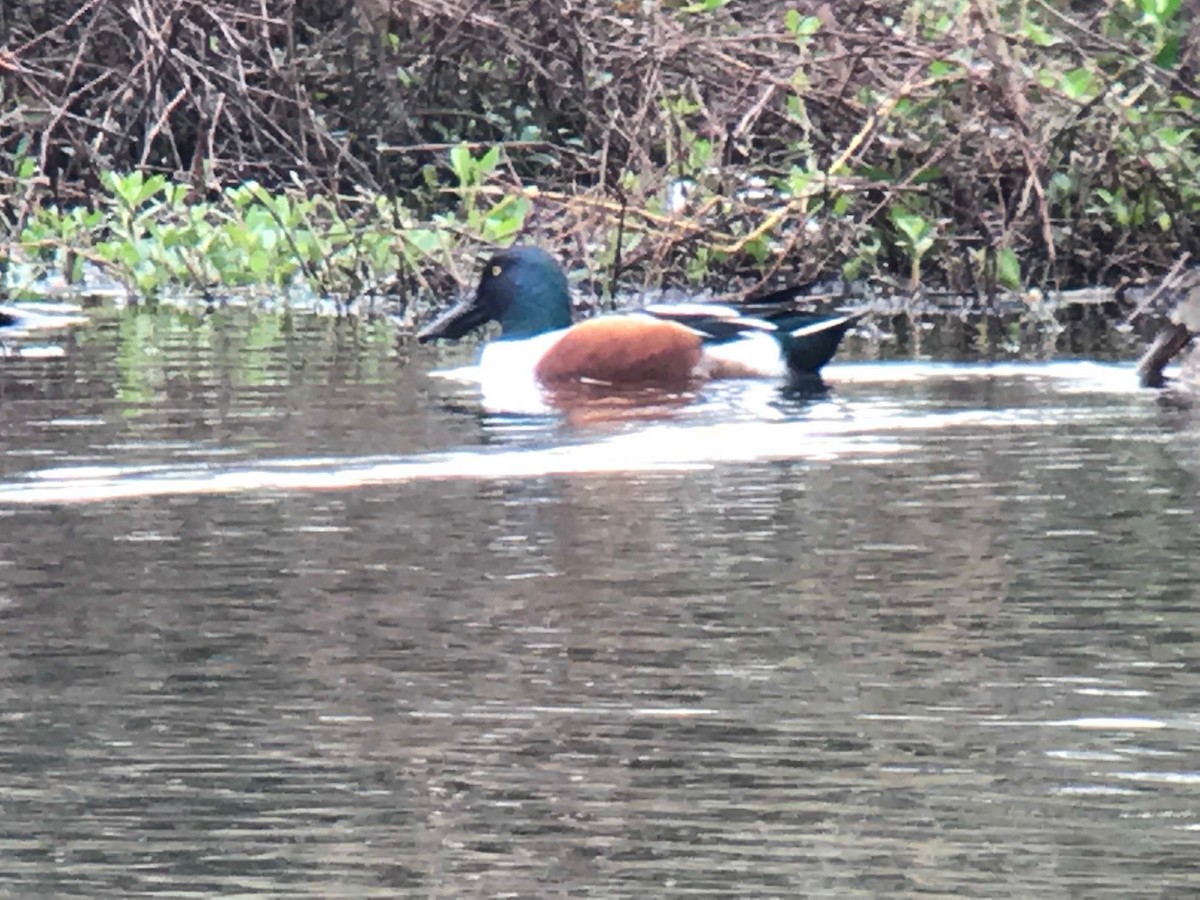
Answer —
19 321
664 346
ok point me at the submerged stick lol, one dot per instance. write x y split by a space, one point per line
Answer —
1170 341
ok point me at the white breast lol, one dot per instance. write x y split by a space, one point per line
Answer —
506 376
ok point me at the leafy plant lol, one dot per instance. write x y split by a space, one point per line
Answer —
918 235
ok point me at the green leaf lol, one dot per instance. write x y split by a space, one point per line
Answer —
1160 12
148 188
758 249
1008 268
796 109
699 154
1078 84
487 163
505 219
461 163
1168 55
1038 35
125 187
175 194
426 240
914 227
1173 137
801 26
1060 185
128 254
799 180
703 6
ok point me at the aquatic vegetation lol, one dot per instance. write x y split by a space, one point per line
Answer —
153 235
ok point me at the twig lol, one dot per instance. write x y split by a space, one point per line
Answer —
1168 281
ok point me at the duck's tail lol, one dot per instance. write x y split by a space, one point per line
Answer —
809 341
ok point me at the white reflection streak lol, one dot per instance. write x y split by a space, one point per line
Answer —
669 448
1068 376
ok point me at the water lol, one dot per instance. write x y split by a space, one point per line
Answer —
283 614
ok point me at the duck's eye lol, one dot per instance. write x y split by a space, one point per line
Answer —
496 270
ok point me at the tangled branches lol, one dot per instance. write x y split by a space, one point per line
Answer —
877 128
214 90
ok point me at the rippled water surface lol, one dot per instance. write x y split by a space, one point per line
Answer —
283 613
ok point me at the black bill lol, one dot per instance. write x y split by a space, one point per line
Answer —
456 321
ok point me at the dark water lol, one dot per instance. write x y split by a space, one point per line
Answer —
282 614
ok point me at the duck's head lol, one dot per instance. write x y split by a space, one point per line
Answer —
522 288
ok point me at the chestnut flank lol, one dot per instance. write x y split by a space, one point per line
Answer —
623 350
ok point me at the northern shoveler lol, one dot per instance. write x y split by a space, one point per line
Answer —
662 346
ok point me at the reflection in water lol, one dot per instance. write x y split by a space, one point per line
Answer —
952 659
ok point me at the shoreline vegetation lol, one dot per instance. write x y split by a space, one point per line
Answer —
994 152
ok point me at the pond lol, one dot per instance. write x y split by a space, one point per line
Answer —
284 612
